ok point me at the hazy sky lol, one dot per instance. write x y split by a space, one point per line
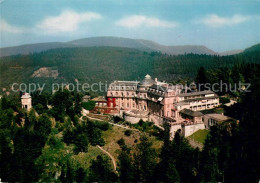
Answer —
218 24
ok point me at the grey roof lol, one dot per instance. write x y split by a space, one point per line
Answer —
218 117
99 99
158 87
147 81
196 93
123 85
182 103
191 113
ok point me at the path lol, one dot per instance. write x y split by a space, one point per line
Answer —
122 126
111 157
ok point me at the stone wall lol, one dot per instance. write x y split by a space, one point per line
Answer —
133 119
173 129
156 119
190 129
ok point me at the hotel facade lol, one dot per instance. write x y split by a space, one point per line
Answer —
159 102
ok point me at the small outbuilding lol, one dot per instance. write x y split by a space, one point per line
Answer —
213 119
100 101
26 101
192 116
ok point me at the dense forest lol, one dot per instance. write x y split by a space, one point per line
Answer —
42 145
105 64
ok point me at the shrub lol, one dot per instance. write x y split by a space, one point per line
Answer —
90 105
224 100
121 142
117 119
54 131
59 125
141 122
128 132
101 125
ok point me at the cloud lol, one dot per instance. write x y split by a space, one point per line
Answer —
214 20
67 21
6 27
135 21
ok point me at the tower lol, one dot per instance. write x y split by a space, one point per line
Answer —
26 100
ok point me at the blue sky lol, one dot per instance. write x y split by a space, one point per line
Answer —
218 24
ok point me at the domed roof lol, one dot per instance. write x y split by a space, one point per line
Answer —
147 81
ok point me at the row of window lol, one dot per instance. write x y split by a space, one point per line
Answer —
122 88
202 101
203 106
122 94
127 94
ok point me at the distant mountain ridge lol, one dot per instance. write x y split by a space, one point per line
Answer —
140 44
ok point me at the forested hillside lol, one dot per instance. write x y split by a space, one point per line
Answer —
105 64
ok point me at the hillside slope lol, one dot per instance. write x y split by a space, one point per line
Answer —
231 52
252 48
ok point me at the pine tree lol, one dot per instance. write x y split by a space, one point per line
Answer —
144 161
126 168
201 79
